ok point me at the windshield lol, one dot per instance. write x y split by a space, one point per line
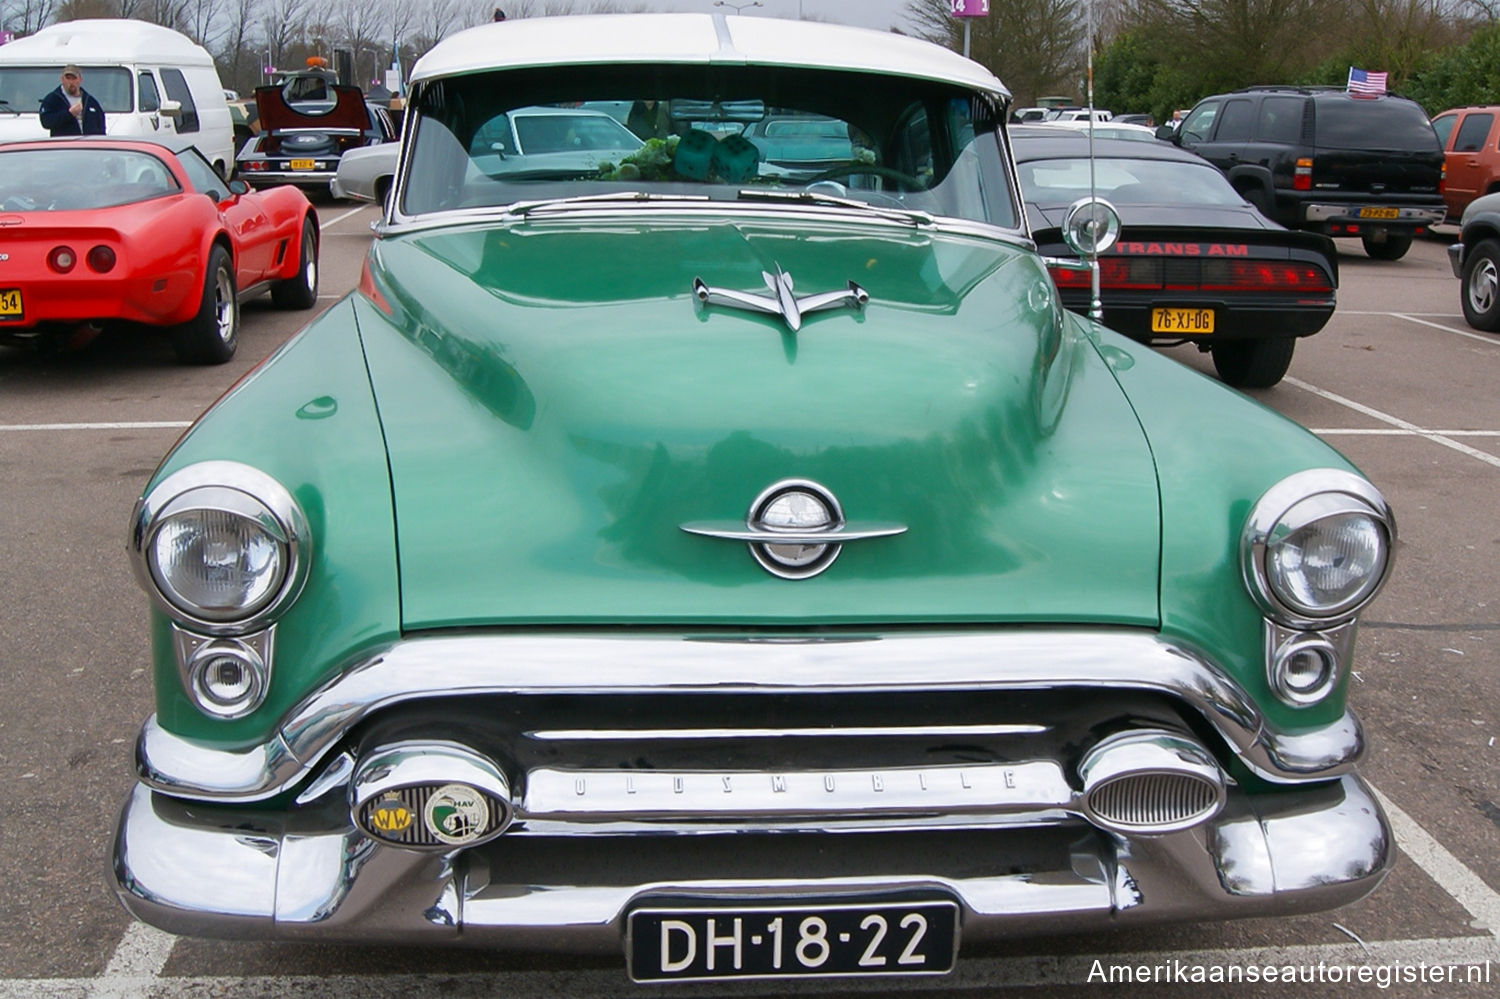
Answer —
1057 182
96 178
706 132
23 87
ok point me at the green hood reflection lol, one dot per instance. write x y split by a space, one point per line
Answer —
556 402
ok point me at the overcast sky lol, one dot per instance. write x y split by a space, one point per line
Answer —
880 14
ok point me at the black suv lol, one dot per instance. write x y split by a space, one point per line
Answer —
1324 160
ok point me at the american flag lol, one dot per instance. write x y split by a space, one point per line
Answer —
1368 84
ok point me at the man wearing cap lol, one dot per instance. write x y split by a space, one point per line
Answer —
71 110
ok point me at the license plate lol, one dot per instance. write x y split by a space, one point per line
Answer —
877 938
304 164
10 304
1378 213
1186 321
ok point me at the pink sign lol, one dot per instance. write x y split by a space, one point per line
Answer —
970 8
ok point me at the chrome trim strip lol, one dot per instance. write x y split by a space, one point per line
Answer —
634 663
840 732
636 795
738 530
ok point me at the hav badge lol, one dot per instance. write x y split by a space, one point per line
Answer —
457 814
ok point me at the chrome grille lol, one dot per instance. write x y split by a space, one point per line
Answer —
1154 801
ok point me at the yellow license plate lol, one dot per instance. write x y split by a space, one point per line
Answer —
10 303
1379 213
304 164
1184 321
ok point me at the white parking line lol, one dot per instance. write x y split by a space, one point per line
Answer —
1435 436
148 425
339 218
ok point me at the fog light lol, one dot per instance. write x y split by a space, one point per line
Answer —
227 679
1150 782
1304 670
429 796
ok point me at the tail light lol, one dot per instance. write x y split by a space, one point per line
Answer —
62 259
1126 273
1114 272
1255 275
1443 179
101 259
254 166
1302 175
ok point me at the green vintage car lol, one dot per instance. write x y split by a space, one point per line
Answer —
742 572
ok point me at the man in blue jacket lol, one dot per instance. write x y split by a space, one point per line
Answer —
71 110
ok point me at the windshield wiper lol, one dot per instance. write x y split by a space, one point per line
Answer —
814 198
523 208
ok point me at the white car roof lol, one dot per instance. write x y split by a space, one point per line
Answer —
105 41
601 39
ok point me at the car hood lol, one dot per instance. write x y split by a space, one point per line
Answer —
557 403
346 110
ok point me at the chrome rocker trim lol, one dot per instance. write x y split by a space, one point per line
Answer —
242 874
623 664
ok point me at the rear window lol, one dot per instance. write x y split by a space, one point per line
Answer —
1379 123
96 178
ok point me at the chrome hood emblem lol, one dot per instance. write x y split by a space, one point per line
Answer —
782 301
795 529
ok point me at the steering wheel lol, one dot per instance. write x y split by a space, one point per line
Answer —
905 180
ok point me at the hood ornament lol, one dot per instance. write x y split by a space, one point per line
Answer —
782 301
795 529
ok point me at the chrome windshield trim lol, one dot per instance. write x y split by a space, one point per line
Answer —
614 209
604 663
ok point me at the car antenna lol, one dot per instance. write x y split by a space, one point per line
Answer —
1096 301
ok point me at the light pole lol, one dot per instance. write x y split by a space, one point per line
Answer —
738 6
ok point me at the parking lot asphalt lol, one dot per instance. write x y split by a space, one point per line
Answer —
1397 381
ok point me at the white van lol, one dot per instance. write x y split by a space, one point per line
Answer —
152 82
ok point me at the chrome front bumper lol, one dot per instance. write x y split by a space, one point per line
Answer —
653 769
242 874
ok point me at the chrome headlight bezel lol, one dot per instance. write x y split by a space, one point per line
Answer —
1296 502
240 491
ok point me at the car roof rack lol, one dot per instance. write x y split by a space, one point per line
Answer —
1295 88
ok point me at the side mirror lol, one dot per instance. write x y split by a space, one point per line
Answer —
1165 132
172 109
238 187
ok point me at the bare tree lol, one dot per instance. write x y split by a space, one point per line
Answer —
283 23
26 16
1034 46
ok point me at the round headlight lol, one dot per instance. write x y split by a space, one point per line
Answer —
1318 547
223 547
1329 564
218 564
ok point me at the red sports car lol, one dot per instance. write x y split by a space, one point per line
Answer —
101 230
